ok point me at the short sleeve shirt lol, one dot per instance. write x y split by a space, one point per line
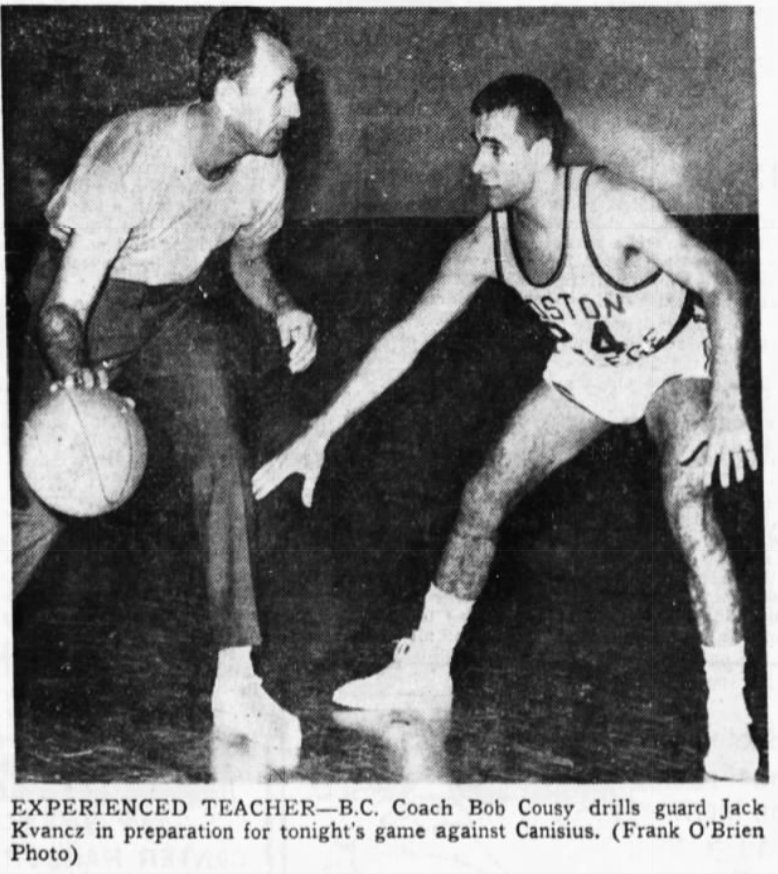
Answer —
137 180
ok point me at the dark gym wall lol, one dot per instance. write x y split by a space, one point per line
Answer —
663 94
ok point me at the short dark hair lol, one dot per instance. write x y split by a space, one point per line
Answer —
229 44
540 116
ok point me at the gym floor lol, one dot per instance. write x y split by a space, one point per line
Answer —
581 662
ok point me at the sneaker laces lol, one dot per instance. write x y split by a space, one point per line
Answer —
403 647
420 648
416 644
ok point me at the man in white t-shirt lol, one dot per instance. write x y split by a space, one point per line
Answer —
154 194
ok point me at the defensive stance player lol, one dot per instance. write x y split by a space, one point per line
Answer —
154 194
607 270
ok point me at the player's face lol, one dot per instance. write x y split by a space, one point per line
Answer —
504 164
267 101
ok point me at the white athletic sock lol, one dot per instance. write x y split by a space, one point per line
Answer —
234 661
442 621
725 673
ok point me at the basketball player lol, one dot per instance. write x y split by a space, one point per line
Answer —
607 270
154 194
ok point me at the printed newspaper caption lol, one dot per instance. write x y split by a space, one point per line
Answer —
60 830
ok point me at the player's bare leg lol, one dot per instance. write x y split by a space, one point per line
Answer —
676 411
544 433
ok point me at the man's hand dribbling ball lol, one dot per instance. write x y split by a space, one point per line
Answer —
86 377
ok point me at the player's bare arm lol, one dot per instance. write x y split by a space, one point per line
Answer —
467 265
85 263
647 231
256 279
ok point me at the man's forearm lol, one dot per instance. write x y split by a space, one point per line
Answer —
725 318
386 362
62 320
259 284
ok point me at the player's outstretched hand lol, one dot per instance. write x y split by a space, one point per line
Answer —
730 444
297 330
727 442
305 456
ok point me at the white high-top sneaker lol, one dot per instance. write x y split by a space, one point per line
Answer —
417 679
732 754
241 706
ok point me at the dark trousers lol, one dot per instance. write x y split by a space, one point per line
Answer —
190 357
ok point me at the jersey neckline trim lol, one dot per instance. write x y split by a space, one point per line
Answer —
512 235
497 247
614 283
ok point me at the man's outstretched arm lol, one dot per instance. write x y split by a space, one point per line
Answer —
651 230
465 268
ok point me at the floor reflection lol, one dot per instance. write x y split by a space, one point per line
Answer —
237 758
413 744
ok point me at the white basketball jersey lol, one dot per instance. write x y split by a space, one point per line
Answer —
588 312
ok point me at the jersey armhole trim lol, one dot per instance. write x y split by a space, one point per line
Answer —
497 248
685 316
614 283
514 241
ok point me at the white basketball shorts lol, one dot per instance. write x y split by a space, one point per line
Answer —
620 394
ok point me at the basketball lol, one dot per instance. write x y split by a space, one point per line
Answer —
83 452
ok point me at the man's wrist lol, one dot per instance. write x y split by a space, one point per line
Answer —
61 334
727 394
283 306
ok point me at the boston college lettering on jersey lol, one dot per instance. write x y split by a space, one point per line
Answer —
588 311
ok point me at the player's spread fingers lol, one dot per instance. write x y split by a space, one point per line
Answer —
263 490
746 443
725 461
263 479
308 489
737 460
751 458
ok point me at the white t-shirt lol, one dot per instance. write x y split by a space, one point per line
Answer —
137 179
